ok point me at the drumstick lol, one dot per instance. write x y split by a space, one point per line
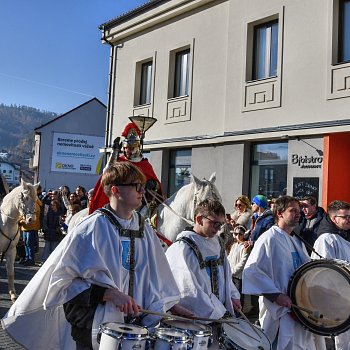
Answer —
229 322
250 324
315 314
187 319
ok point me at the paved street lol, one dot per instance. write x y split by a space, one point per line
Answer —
22 277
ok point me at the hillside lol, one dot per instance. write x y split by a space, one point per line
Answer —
17 124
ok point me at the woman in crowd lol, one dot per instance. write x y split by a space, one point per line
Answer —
238 256
51 229
242 214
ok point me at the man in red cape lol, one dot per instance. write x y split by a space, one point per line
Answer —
132 153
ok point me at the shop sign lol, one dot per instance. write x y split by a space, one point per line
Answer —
307 162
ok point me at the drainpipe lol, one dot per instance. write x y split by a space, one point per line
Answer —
111 94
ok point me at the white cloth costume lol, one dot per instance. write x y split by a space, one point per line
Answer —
93 253
272 262
194 283
333 246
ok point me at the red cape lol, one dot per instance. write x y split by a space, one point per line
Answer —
99 198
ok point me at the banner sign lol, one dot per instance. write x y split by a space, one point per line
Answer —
74 153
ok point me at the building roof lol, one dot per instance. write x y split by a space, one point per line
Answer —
132 13
64 114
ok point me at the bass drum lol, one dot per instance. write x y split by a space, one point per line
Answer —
322 289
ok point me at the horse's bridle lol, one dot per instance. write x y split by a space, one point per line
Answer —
22 209
195 200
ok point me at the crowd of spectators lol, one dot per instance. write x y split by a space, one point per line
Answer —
54 208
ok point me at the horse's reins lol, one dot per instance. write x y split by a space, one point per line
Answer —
9 238
160 200
5 235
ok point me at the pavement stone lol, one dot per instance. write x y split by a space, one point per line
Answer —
23 275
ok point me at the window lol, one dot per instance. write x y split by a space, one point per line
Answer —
179 170
265 50
269 169
146 83
182 72
344 31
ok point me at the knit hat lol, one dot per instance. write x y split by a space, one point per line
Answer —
260 201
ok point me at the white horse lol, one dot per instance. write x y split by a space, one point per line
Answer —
183 203
170 222
20 202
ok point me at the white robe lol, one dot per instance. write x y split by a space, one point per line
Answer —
194 283
333 246
268 270
93 252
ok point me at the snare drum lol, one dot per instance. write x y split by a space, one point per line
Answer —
202 334
172 339
240 336
323 288
121 336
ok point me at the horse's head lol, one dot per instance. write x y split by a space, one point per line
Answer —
205 189
26 201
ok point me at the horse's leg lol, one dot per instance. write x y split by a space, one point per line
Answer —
10 268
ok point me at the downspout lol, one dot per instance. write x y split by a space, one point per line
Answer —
111 95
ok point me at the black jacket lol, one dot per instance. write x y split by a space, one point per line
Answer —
310 233
327 226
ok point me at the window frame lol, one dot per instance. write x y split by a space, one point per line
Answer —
182 73
268 50
146 77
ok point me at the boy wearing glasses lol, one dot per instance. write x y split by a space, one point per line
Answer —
106 268
199 263
333 242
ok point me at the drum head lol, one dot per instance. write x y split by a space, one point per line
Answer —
192 327
172 335
322 287
241 335
125 331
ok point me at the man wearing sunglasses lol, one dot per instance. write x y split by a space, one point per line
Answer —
199 263
109 266
333 242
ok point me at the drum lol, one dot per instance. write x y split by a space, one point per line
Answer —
121 336
172 339
201 334
321 288
240 336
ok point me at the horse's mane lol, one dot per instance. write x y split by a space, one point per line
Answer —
17 190
186 203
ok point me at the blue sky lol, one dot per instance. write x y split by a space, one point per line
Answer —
51 55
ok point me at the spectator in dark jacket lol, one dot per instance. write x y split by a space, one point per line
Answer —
310 220
263 218
51 229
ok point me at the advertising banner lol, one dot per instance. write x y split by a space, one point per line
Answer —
74 153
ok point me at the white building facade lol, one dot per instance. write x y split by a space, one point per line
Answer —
257 91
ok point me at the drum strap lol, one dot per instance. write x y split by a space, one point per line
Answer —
132 234
211 264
